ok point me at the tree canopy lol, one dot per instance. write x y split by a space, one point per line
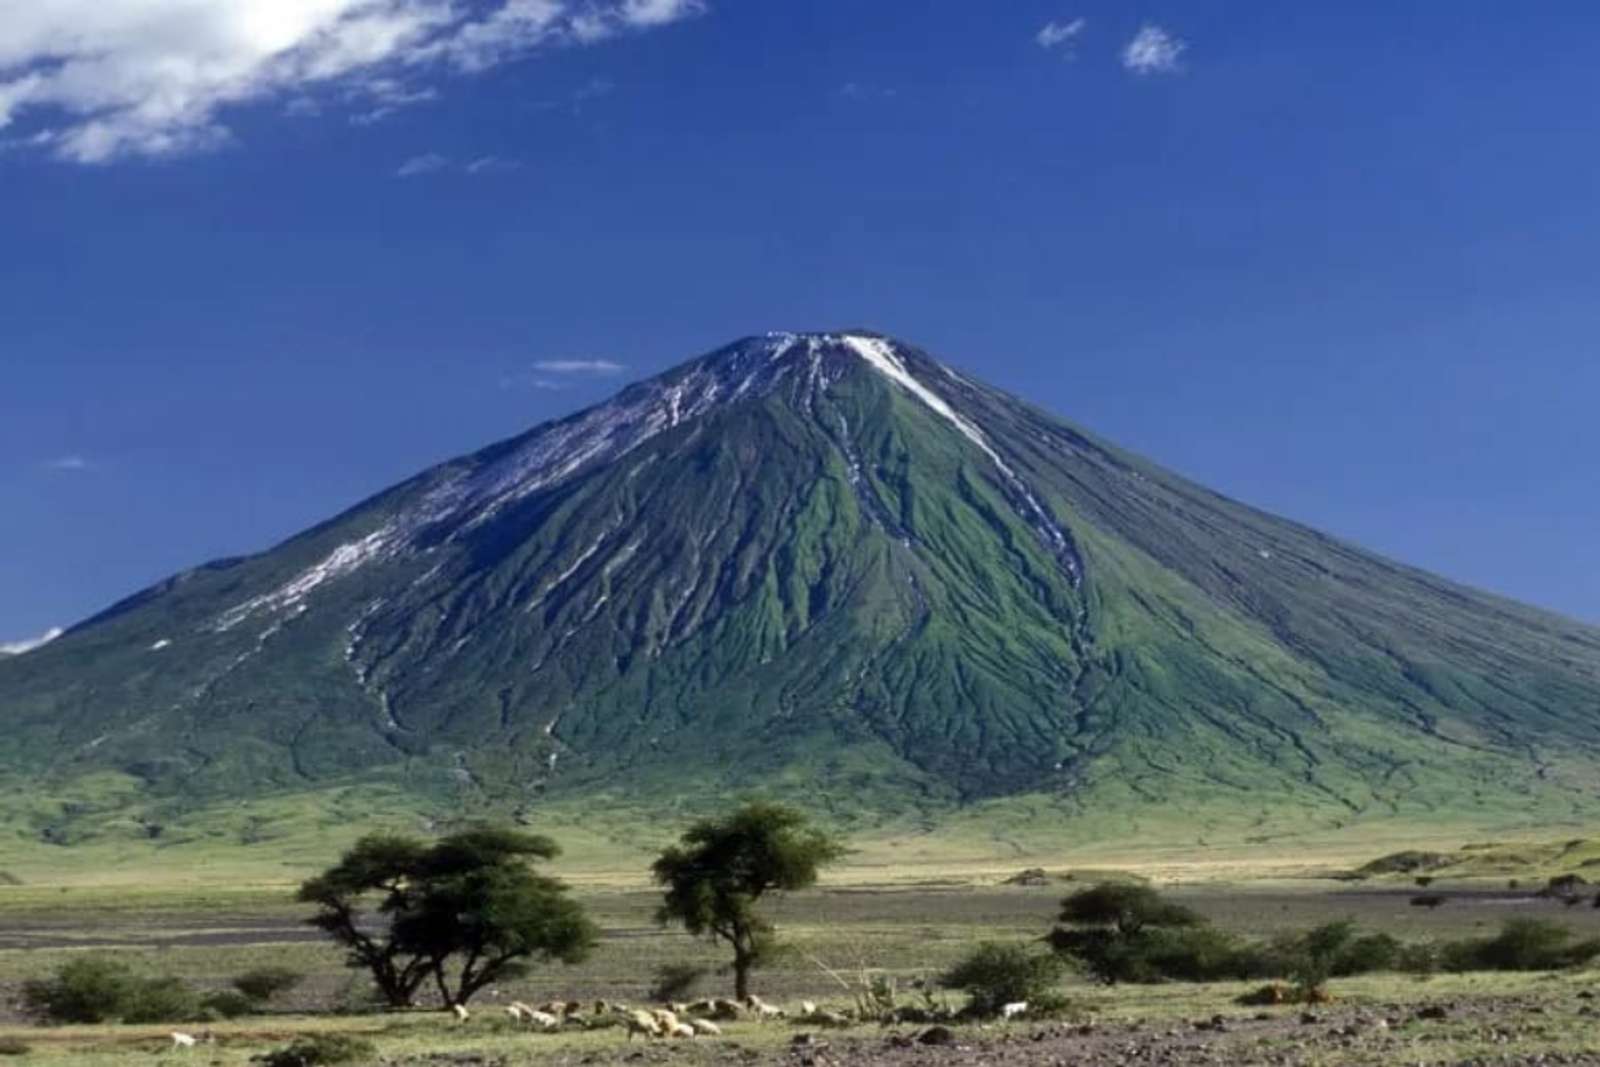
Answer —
464 911
1109 929
722 867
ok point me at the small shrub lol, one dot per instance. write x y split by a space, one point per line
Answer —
358 996
159 1000
1424 880
994 975
1317 956
674 981
87 990
264 983
1191 954
320 1049
1367 955
1417 958
1521 945
1427 900
1564 887
228 1004
14 1046
97 989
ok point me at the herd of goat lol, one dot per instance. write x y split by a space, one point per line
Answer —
698 1019
689 1021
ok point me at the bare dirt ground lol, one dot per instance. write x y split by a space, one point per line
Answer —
1521 1030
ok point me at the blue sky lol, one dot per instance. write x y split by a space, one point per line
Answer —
1338 260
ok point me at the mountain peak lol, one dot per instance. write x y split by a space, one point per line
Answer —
820 562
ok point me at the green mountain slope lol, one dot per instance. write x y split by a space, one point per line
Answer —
819 565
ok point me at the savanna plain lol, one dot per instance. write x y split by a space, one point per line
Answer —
876 933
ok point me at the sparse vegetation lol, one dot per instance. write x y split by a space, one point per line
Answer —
995 975
716 877
264 983
1521 945
463 912
319 1050
98 989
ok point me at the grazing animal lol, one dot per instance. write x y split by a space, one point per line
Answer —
462 1014
639 1022
707 1027
681 1030
762 1008
1014 1009
808 1007
664 1018
723 1010
516 1011
182 1040
543 1020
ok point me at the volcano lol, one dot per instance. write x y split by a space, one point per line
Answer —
823 566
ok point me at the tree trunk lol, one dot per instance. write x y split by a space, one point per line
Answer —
741 976
444 988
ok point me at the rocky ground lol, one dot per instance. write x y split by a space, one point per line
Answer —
1474 1033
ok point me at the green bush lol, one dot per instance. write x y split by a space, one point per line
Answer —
159 1000
1418 958
264 983
1368 955
88 990
994 975
1521 945
14 1046
98 989
228 1004
320 1049
1191 954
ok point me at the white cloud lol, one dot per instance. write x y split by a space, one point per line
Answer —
491 165
560 373
96 80
423 164
579 366
67 463
17 648
1153 51
433 163
1057 34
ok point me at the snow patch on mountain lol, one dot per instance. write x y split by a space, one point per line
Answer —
341 561
19 648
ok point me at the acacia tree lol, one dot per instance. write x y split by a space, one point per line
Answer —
722 867
465 911
1109 928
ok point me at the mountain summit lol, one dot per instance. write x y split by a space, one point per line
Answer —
823 565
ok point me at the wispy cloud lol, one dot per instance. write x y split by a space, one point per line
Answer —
490 164
561 373
387 96
17 648
427 163
1153 50
97 80
67 463
603 367
433 163
1061 34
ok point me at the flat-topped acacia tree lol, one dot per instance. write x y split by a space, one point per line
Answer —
721 868
464 911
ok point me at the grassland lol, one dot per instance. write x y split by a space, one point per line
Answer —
867 918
